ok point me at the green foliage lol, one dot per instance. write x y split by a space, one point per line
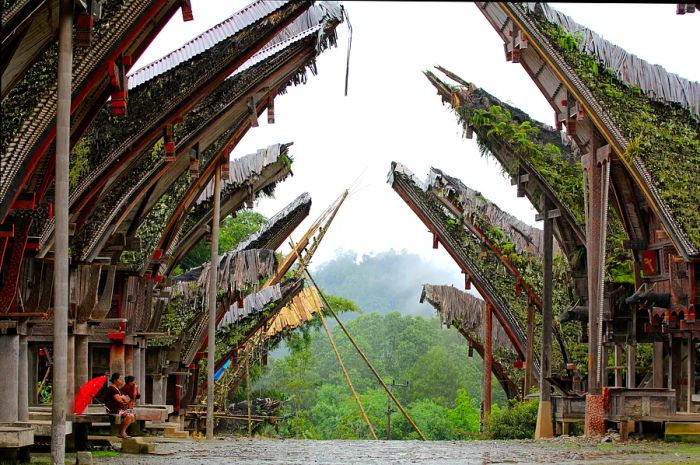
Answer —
400 347
665 136
79 162
45 394
515 422
496 126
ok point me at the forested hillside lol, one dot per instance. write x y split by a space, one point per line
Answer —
444 389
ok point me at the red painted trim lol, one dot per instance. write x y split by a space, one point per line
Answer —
97 76
187 104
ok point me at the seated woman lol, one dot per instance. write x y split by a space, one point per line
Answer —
131 389
117 404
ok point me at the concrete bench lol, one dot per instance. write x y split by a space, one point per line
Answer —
15 442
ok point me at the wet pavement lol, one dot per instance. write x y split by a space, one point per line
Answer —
297 452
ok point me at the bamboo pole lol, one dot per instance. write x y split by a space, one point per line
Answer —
213 277
60 313
367 362
347 376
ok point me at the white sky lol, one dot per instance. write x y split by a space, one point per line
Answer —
393 113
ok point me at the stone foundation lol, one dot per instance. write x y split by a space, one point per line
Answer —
595 416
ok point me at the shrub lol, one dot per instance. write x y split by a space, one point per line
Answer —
515 422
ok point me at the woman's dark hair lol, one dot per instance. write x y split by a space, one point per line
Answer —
115 376
128 379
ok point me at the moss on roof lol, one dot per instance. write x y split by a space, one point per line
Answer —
664 136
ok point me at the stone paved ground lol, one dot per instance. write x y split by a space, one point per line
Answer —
299 452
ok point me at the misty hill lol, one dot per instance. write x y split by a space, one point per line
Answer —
385 282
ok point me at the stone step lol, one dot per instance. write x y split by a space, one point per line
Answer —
39 415
686 431
137 446
173 432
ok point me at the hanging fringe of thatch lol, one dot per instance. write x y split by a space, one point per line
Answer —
243 170
524 237
301 309
463 311
654 80
254 303
237 271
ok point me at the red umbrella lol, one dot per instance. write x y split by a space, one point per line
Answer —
87 391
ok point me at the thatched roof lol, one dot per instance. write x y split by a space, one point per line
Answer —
527 239
209 126
257 302
460 309
492 279
648 116
302 308
653 80
269 236
29 108
175 234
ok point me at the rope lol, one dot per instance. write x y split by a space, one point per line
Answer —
367 362
347 376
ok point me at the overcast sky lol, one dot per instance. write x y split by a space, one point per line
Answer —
393 113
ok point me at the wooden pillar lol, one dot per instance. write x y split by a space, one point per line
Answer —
530 350
157 396
618 365
674 368
136 369
690 370
128 360
657 364
544 427
143 372
82 359
488 359
632 353
61 284
211 300
116 358
596 166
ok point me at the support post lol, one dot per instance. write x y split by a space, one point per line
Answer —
632 353
137 368
9 350
618 366
213 275
82 357
488 359
157 397
128 360
70 376
23 380
544 427
61 285
690 370
530 350
143 374
116 358
657 364
596 166
674 367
